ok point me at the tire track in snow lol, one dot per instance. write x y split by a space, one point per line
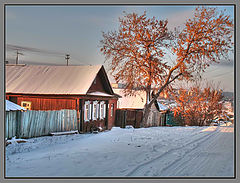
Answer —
174 163
180 165
198 140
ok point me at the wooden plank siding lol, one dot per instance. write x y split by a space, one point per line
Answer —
44 103
98 84
126 117
48 103
111 119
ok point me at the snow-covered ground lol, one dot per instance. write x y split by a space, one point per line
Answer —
155 151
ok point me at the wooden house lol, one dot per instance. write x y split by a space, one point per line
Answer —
85 89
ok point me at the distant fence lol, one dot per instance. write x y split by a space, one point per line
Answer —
128 117
38 123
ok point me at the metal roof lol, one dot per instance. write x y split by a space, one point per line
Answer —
45 79
10 106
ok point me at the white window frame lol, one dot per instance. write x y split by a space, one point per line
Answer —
28 105
102 110
87 111
112 109
95 110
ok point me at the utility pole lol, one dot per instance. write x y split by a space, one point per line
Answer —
67 58
18 53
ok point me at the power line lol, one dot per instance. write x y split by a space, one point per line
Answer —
43 52
34 50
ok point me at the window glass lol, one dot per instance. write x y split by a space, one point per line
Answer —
26 105
95 110
112 109
87 111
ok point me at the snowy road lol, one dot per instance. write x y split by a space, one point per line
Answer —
157 151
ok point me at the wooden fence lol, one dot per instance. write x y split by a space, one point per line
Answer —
38 123
128 117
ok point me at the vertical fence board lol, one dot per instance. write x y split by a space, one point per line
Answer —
6 125
37 122
10 126
13 123
29 124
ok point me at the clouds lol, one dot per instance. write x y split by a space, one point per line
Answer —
179 18
77 29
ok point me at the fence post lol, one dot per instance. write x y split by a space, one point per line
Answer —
124 118
6 124
18 121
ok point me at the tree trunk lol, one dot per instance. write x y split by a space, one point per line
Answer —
148 105
146 112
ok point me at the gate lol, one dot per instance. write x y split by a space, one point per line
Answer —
126 117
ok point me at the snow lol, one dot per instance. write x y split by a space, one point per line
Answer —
133 102
100 94
46 79
64 133
162 107
155 151
10 106
15 140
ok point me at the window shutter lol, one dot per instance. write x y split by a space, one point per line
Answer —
85 112
90 112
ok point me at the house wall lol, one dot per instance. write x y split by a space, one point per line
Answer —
38 103
108 122
111 119
71 102
97 85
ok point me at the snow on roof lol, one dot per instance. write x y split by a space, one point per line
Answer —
100 94
162 107
46 79
10 106
133 102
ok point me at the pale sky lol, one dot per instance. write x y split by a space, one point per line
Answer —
77 30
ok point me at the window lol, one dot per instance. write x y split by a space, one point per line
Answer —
95 110
95 81
26 105
102 110
87 111
112 109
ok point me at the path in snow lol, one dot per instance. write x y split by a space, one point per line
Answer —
157 151
205 154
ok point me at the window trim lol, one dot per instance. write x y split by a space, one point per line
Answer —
102 110
88 115
26 102
112 110
95 113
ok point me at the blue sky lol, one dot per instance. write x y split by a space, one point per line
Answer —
77 30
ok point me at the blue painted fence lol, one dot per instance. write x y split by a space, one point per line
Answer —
38 123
